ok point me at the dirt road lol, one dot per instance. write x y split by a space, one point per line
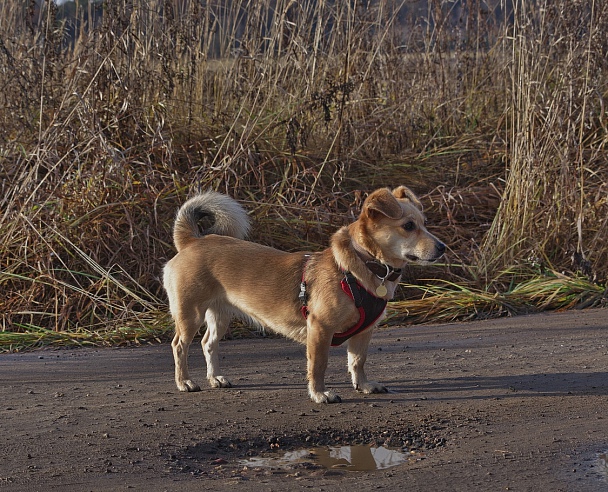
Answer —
511 404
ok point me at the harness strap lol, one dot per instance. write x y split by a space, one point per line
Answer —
303 295
369 306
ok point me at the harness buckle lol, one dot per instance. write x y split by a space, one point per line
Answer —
303 296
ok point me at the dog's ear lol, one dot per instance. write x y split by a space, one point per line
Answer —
404 193
382 201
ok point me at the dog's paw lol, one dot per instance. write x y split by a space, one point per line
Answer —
325 397
220 382
371 387
188 386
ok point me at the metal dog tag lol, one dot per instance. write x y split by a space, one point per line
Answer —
381 290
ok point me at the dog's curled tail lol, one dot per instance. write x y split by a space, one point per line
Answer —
209 213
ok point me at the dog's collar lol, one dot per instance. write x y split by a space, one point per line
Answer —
379 269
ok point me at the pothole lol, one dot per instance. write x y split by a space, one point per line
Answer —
312 450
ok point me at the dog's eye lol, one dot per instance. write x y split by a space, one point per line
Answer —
409 226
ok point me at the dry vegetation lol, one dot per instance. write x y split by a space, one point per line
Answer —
113 113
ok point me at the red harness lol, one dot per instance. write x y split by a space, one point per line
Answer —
369 306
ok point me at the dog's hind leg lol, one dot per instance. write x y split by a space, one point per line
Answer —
217 324
185 329
357 355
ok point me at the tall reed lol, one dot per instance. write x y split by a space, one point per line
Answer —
554 207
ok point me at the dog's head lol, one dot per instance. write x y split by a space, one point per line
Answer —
392 228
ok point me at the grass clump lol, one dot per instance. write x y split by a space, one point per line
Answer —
112 113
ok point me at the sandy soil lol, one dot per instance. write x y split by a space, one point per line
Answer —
511 404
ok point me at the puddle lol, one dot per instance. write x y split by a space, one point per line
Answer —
313 450
352 458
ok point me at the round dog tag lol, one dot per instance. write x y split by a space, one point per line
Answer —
381 290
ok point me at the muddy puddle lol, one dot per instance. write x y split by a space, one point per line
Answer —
351 458
320 449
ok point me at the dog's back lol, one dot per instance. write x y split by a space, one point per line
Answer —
209 213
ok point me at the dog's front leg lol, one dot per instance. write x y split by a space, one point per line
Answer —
317 354
357 355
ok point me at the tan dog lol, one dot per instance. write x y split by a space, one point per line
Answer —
217 275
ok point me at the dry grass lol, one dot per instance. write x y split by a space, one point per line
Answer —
112 115
448 301
554 202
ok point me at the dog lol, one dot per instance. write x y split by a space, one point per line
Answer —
319 299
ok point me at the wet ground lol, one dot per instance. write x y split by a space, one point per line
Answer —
511 404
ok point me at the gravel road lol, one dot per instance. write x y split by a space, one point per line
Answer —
510 404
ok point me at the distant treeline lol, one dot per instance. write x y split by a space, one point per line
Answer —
476 19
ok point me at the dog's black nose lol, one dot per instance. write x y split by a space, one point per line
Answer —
440 248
